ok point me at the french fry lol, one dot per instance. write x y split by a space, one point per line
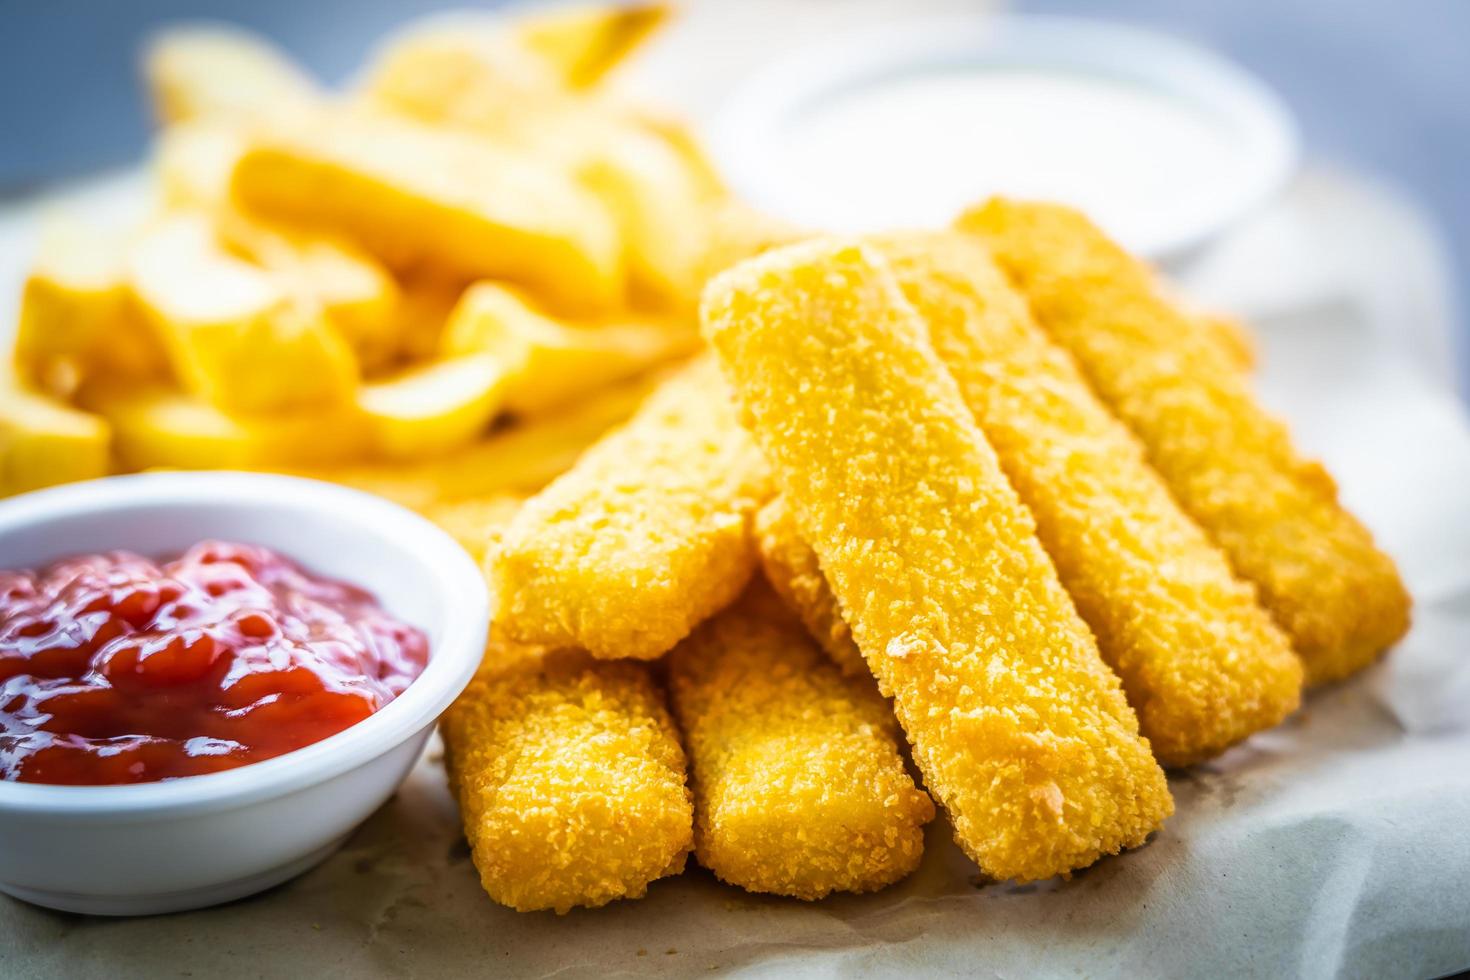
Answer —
357 295
583 44
436 407
234 334
558 360
204 71
792 568
570 781
1230 465
193 160
161 428
648 534
1021 732
1202 664
425 198
661 209
799 787
44 441
77 318
520 459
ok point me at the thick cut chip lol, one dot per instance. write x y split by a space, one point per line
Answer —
1021 731
78 322
570 781
558 360
583 43
645 537
1230 464
799 785
429 199
235 335
436 407
160 428
45 442
200 71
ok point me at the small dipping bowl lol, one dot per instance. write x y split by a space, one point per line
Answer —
1163 143
186 843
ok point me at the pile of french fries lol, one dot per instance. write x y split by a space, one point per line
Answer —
439 284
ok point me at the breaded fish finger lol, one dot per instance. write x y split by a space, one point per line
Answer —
648 534
1202 664
1021 731
1231 465
799 788
792 569
570 781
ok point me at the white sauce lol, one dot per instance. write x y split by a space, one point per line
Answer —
915 149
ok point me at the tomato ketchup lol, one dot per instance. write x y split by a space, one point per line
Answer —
115 668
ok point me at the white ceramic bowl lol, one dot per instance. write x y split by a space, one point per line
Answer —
187 843
783 101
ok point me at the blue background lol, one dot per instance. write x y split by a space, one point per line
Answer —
1382 85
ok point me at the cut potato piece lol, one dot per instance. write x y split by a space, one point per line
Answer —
44 442
163 428
583 44
661 209
422 198
356 293
208 70
558 361
193 161
432 409
77 319
236 336
521 459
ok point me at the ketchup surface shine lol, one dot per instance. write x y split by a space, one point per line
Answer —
118 669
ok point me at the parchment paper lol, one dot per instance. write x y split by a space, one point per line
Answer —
1336 845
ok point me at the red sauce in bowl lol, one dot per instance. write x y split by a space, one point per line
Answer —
118 669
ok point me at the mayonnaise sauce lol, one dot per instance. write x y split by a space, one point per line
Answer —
914 149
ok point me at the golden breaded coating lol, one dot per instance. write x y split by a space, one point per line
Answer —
792 568
421 197
648 534
1021 731
570 781
1202 664
799 787
1229 463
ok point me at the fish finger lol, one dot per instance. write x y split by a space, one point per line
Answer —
646 536
1021 731
1229 463
570 781
799 787
1202 663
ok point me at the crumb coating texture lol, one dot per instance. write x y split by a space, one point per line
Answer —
792 568
799 787
570 781
1229 463
646 536
1202 663
1021 731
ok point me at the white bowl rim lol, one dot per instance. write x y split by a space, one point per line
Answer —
451 663
744 125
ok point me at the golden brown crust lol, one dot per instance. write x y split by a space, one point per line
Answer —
791 567
646 536
1229 463
1201 662
799 787
570 781
1021 731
